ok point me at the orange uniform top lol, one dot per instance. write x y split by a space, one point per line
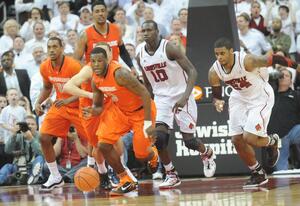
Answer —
121 96
69 68
113 38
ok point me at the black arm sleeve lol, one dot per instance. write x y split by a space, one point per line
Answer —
125 56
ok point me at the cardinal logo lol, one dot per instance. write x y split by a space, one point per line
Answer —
258 127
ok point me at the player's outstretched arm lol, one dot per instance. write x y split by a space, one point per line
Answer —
252 62
124 78
73 85
215 84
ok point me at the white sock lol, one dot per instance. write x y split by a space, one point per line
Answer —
122 160
52 166
130 174
101 168
169 167
253 167
90 161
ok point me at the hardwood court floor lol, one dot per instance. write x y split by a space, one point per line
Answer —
226 191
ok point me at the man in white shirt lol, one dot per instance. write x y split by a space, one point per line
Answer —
32 64
20 54
39 38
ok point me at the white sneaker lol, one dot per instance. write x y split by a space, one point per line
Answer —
52 182
172 180
209 165
157 175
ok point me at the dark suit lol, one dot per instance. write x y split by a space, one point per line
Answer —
23 79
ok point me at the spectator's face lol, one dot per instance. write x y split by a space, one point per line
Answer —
223 55
176 26
85 15
131 50
286 80
64 9
148 14
183 15
7 62
54 49
18 44
242 23
3 102
39 31
38 54
100 14
32 125
12 96
22 103
35 15
72 37
140 8
283 13
255 10
120 16
276 25
12 29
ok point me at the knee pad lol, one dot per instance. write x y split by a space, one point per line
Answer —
162 140
192 143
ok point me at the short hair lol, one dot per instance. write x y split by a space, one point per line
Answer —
99 50
223 42
98 2
31 116
151 22
38 22
182 9
11 89
54 38
39 10
286 8
245 16
8 53
18 36
255 2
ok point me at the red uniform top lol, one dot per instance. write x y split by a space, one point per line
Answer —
112 38
69 68
121 96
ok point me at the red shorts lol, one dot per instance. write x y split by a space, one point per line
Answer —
114 124
58 121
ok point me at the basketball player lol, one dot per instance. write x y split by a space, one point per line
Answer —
77 86
250 103
56 71
102 31
130 109
170 76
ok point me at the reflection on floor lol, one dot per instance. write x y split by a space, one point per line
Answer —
280 191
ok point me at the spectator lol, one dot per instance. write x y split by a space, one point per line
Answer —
176 30
252 40
183 17
148 14
279 40
65 20
120 19
25 147
32 64
27 28
71 153
85 20
24 102
3 103
135 13
257 20
13 78
285 117
176 40
72 37
20 54
39 38
11 30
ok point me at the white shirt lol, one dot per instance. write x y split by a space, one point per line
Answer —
10 116
6 43
31 66
12 81
19 59
57 25
26 30
31 44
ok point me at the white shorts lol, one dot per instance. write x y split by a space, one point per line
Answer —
251 116
186 119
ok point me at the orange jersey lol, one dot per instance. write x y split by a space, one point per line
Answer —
69 68
121 96
113 37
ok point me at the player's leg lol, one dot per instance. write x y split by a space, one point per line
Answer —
186 119
55 124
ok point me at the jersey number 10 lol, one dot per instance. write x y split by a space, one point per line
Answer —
159 75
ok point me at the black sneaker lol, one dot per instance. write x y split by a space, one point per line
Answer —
52 185
273 151
105 182
123 188
256 179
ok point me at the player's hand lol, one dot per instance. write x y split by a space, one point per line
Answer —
134 71
60 102
91 111
179 104
149 130
38 109
219 104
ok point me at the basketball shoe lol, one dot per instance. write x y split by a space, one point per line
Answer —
52 182
105 181
273 151
153 163
257 178
171 180
126 185
209 165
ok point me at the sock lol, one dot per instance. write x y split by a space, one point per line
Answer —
169 167
101 168
256 168
205 151
122 160
90 161
52 166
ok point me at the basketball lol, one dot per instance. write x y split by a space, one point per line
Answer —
86 179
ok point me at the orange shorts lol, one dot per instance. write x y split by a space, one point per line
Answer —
90 126
58 121
114 124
